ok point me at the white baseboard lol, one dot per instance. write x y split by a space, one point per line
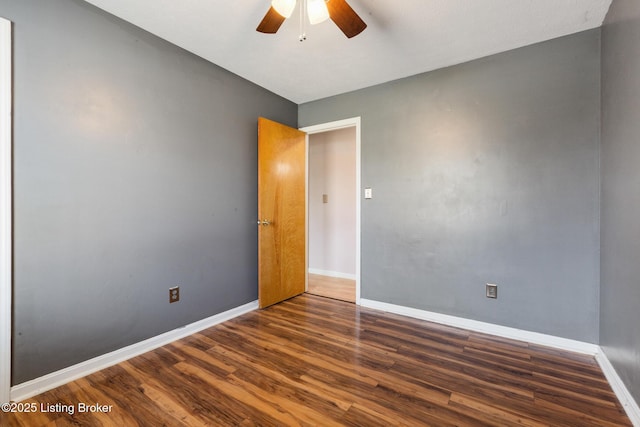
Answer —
66 375
487 328
624 396
332 274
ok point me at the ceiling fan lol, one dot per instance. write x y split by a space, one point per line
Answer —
318 11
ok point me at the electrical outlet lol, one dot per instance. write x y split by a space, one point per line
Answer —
174 294
492 290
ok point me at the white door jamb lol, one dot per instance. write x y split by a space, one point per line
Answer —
6 264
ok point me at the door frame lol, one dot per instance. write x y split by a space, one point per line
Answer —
6 209
327 127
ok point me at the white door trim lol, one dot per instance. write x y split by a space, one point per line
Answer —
6 264
326 127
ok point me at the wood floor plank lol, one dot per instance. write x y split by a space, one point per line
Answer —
585 388
318 361
491 413
373 403
378 354
360 415
304 409
332 287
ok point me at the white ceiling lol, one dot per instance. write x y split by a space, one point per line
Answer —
403 38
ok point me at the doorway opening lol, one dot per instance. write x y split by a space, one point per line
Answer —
333 210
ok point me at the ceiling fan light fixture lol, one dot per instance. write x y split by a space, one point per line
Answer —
317 11
284 7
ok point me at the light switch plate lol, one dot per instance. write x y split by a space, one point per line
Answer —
368 193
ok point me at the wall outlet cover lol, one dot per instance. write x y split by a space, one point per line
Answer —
174 294
492 290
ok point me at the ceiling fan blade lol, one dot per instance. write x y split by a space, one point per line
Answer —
271 22
345 18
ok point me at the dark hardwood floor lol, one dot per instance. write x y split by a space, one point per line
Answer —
318 361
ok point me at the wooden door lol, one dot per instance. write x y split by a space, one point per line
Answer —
281 212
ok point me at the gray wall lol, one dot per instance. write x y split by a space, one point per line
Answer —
620 278
135 170
485 172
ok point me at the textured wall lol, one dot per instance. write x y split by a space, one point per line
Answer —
485 172
620 271
135 170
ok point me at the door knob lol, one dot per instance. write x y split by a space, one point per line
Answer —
264 222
